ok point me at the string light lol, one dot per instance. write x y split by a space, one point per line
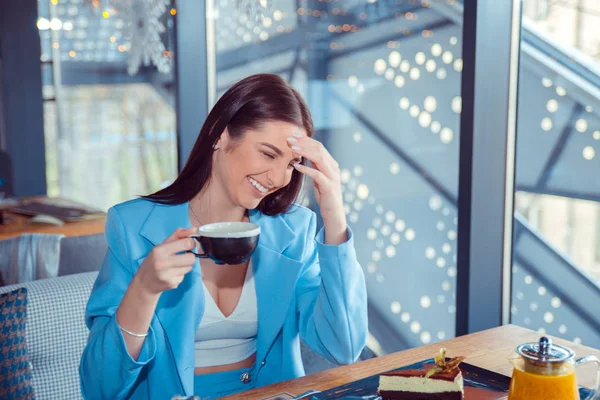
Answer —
55 24
43 24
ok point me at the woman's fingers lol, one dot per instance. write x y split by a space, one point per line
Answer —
173 247
182 260
180 233
317 154
315 174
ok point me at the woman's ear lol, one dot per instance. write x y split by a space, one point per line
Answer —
224 140
220 143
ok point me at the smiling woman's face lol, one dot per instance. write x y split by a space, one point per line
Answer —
257 165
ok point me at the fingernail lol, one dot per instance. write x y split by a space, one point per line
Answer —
297 165
297 134
291 140
296 148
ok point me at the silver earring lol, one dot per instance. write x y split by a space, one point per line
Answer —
215 146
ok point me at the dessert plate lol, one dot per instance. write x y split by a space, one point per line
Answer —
480 384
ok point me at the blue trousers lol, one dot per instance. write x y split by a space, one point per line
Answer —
220 384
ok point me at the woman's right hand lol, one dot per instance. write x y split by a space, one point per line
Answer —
164 269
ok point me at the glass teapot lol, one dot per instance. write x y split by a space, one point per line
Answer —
546 371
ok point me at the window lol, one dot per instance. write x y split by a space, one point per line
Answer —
555 268
109 125
382 80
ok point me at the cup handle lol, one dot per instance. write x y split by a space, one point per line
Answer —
197 254
592 359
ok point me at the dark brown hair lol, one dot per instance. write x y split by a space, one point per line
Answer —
246 105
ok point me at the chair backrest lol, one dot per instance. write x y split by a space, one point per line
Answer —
81 254
56 333
312 361
28 257
33 256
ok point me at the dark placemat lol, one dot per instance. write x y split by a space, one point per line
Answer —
480 384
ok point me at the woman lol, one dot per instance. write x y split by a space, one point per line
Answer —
162 324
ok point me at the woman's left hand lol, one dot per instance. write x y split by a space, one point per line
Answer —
325 172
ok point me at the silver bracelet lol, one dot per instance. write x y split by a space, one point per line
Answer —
131 333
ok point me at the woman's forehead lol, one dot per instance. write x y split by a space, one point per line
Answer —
279 129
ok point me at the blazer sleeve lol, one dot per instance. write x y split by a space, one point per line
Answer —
106 370
332 298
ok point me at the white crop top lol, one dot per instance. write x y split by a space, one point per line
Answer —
221 340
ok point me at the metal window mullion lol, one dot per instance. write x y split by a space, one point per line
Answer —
491 42
194 71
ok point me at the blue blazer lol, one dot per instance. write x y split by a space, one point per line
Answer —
304 288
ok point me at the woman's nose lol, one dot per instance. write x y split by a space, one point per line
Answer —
277 177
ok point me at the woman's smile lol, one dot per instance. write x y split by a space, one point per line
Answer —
257 188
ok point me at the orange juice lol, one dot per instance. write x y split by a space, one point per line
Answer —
534 386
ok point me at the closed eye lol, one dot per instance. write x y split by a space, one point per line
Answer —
272 156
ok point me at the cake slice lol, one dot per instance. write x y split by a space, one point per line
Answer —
440 381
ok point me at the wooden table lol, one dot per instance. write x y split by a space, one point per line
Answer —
19 225
488 349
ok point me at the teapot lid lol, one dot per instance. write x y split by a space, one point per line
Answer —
544 352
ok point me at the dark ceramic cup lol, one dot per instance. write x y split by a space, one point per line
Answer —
227 242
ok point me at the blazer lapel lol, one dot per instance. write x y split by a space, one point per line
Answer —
163 220
275 277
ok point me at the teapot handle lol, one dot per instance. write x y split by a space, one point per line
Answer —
595 394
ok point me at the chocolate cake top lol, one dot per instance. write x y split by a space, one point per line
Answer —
420 373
